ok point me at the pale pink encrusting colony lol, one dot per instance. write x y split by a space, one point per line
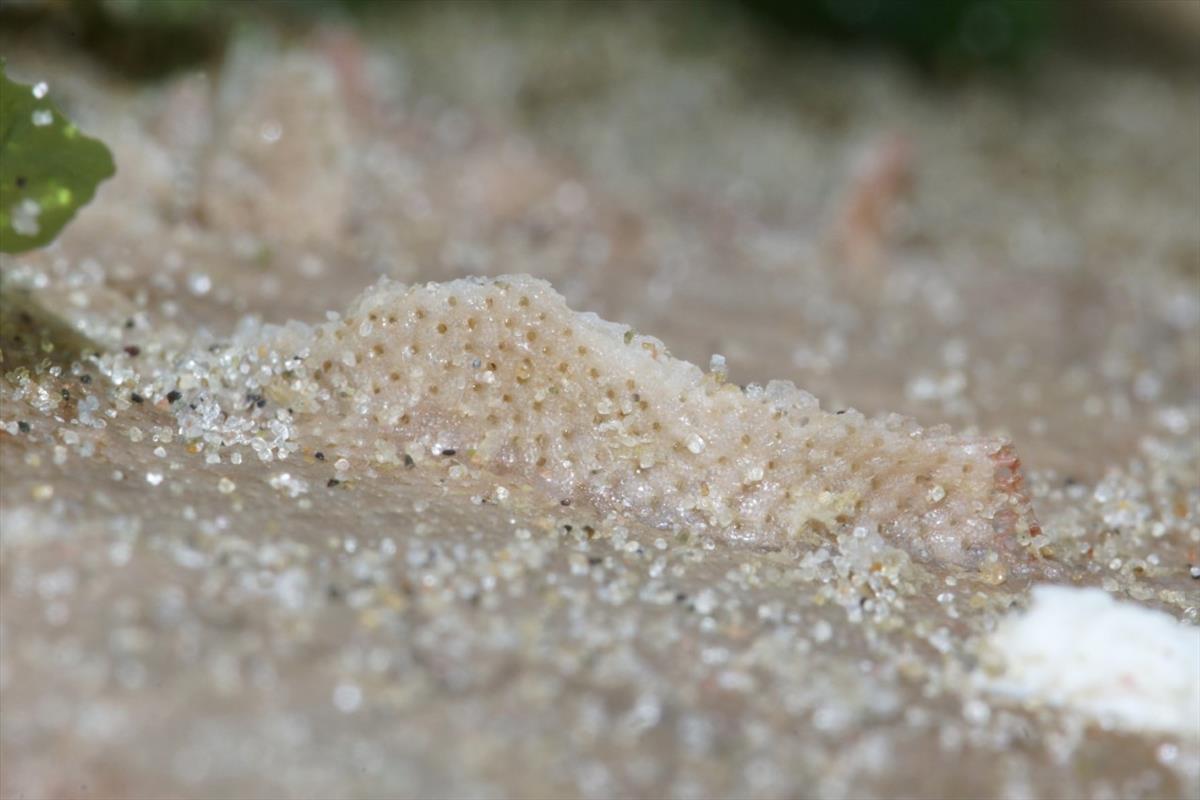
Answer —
502 373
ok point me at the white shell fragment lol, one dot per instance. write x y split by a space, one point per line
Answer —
1115 662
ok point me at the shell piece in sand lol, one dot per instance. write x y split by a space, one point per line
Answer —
504 374
1116 662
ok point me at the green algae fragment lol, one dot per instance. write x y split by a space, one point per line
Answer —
48 168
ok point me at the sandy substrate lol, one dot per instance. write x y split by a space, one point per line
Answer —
223 574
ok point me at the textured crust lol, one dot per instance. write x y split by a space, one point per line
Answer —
502 373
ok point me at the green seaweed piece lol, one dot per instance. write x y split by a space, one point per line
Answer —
48 168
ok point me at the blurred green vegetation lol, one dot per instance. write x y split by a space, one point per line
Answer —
148 38
944 34
48 168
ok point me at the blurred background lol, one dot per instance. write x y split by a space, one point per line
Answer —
148 38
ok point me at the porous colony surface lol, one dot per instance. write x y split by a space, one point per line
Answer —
501 373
